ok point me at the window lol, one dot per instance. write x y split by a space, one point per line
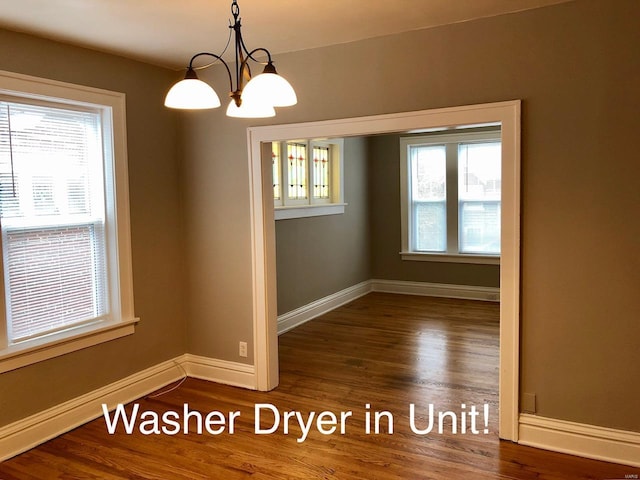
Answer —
307 178
451 186
65 239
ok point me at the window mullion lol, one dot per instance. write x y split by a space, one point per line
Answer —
452 198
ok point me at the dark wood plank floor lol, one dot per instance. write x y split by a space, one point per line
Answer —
387 351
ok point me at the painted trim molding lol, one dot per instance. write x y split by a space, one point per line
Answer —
302 211
466 292
20 436
599 443
27 433
219 371
263 252
297 317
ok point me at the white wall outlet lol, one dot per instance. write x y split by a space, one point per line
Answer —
242 351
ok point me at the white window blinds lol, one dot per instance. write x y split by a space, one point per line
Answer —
53 218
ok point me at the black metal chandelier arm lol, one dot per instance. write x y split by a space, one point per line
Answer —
259 49
218 58
241 47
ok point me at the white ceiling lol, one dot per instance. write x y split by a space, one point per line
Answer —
168 32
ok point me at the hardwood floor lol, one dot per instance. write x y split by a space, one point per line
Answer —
385 351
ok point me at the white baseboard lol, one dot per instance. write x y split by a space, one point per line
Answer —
29 432
294 318
607 444
20 436
319 307
220 371
468 292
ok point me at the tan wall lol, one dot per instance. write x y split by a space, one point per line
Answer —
576 68
155 225
318 256
386 242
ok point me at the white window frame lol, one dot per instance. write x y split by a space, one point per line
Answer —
121 321
287 208
450 141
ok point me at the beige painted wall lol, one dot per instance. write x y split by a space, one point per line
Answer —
156 230
576 68
318 256
386 241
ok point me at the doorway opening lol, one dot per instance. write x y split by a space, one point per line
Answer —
506 114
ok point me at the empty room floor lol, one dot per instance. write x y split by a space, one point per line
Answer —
378 375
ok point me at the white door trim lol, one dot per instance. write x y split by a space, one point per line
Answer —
263 230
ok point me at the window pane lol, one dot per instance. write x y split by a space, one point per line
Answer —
479 186
297 157
428 198
320 172
430 220
480 227
52 208
275 168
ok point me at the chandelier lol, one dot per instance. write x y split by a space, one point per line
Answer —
252 97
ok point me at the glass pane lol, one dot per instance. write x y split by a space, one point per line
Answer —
275 167
479 171
320 172
479 183
428 198
480 227
430 226
297 157
428 172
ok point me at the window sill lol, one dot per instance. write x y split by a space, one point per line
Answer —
445 258
44 348
301 211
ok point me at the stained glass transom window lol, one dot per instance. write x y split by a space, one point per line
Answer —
321 166
275 165
307 173
297 158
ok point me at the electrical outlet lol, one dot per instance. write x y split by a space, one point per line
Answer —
243 349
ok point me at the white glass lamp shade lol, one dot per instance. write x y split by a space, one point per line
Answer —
270 87
250 110
192 94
